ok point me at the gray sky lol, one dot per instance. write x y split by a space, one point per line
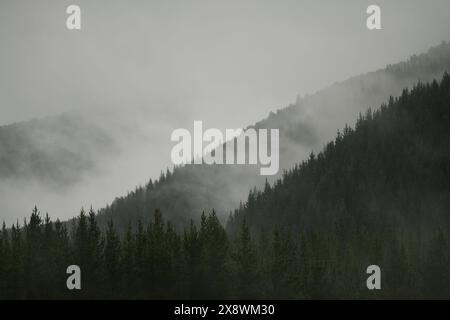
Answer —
228 63
211 60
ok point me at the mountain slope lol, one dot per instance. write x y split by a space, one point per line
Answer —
304 126
392 169
378 196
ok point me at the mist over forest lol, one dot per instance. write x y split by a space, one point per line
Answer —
91 105
83 158
86 116
377 193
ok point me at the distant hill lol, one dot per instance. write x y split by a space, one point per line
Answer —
304 126
54 151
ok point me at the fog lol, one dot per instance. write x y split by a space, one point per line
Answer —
137 70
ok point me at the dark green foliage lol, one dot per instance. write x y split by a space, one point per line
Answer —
208 264
378 194
245 265
392 169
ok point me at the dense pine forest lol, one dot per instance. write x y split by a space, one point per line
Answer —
377 194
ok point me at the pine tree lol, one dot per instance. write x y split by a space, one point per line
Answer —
214 244
128 263
33 271
191 259
112 261
245 265
63 256
283 272
18 284
5 262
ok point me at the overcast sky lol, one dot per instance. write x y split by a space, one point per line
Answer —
226 62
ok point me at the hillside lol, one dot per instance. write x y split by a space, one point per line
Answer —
392 169
378 194
76 159
304 126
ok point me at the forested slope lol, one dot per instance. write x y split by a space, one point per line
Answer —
304 126
377 195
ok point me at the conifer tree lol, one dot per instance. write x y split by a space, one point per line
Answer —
245 264
112 260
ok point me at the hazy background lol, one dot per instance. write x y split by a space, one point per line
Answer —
139 69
